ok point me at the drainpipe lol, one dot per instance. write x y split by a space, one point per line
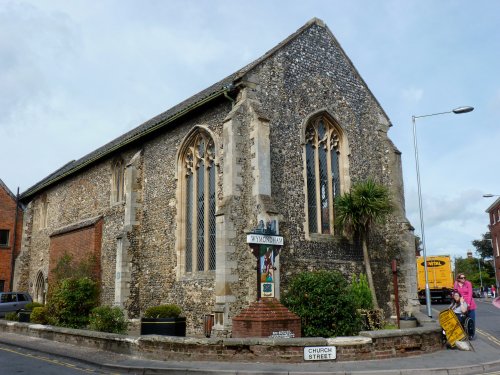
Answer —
228 89
396 290
12 259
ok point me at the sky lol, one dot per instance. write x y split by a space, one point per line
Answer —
76 74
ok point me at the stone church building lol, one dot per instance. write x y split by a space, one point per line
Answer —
166 208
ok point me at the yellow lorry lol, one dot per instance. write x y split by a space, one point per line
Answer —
440 275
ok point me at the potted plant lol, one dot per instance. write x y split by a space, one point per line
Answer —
24 314
163 320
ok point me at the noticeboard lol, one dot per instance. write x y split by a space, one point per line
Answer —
452 327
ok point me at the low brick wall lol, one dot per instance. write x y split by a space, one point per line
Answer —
368 345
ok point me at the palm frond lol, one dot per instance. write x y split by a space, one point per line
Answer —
368 202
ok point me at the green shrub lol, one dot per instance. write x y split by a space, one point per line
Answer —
321 299
39 315
12 316
108 319
163 311
30 306
360 292
71 301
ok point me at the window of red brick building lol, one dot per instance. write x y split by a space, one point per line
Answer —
4 237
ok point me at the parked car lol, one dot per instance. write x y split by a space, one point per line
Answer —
476 293
13 302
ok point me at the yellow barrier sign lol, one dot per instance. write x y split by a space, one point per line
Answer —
452 327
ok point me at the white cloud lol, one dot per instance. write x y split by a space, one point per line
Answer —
413 95
495 102
35 48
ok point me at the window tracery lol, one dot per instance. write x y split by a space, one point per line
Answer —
322 144
199 204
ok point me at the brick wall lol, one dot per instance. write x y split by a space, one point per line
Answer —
80 243
7 222
381 344
494 226
266 318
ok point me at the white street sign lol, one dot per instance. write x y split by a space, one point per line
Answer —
320 353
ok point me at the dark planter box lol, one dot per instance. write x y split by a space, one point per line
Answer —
24 316
163 326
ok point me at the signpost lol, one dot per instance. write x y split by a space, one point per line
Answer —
265 246
266 317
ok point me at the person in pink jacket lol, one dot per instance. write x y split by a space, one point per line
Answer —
465 288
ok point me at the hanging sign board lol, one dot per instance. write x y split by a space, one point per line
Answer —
264 239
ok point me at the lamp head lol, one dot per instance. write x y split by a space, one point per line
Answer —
488 195
465 109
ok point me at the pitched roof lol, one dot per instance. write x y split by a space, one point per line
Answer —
217 90
7 190
494 206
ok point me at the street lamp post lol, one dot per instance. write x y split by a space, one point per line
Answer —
458 110
491 240
480 275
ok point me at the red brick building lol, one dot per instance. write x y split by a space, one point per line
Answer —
494 212
10 237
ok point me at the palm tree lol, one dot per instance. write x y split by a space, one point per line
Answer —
357 211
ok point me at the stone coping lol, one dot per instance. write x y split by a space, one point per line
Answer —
401 332
365 337
423 319
76 226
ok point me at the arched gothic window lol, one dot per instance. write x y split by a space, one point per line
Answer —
199 203
117 181
322 153
40 288
44 207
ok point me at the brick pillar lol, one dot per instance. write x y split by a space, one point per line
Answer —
266 318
